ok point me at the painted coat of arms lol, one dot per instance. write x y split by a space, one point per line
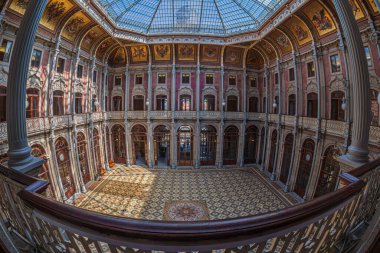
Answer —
321 21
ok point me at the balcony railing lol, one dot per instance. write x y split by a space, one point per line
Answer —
51 226
210 115
234 115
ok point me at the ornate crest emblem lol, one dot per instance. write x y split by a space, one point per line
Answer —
282 41
54 10
210 52
74 25
22 4
232 57
139 52
321 21
300 32
162 50
187 50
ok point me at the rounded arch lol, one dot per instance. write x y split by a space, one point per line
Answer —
139 144
83 157
118 138
185 145
251 144
64 166
287 158
230 146
208 142
304 167
39 151
330 169
273 150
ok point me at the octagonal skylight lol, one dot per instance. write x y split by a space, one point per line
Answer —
197 17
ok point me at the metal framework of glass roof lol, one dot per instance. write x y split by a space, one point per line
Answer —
196 17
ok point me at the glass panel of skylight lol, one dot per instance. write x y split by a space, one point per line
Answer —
163 20
211 22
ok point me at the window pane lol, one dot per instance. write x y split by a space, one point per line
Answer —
310 69
162 79
60 65
185 78
80 71
232 80
368 56
36 58
210 79
117 80
138 79
335 63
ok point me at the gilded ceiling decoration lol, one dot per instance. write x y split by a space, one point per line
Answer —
320 18
373 6
233 56
281 40
162 52
104 46
139 54
118 58
74 25
90 38
299 30
267 49
210 53
254 59
186 52
358 12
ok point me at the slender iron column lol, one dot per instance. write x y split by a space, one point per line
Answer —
197 103
358 151
173 146
19 150
266 125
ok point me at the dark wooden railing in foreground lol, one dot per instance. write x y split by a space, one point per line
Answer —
51 226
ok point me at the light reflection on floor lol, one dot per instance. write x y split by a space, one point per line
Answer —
184 195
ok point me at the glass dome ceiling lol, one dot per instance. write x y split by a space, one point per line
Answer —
196 17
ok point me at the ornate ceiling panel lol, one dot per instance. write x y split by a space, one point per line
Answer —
300 31
74 25
320 17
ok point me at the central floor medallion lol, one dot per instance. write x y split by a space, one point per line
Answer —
186 210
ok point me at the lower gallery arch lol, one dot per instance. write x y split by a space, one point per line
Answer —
273 148
63 160
118 139
330 169
230 147
251 138
98 160
161 137
208 145
304 168
286 158
108 144
43 173
82 156
185 146
139 145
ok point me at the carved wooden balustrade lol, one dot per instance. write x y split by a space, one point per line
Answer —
51 226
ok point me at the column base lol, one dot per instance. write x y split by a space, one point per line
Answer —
346 164
29 166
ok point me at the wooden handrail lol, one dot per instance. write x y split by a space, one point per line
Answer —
169 234
360 171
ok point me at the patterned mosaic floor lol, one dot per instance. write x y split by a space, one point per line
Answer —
183 195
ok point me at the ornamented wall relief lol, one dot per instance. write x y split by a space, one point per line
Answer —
311 87
162 52
4 75
74 25
118 58
186 52
254 59
60 84
320 18
210 53
233 56
358 12
139 54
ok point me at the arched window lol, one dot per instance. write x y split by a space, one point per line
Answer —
138 103
98 160
328 177
230 147
161 138
64 167
209 103
250 149
185 146
232 104
374 108
58 103
208 145
304 168
118 138
117 103
3 103
32 103
292 105
161 103
78 103
185 102
312 105
273 149
43 173
337 112
262 136
139 145
287 158
253 104
82 155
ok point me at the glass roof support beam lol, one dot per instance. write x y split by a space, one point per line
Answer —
117 19
246 11
19 151
220 16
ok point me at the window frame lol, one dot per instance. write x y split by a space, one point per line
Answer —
138 76
209 75
159 75
189 76
9 54
63 67
121 80
333 66
32 61
232 77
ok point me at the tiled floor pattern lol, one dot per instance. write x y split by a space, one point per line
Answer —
136 192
